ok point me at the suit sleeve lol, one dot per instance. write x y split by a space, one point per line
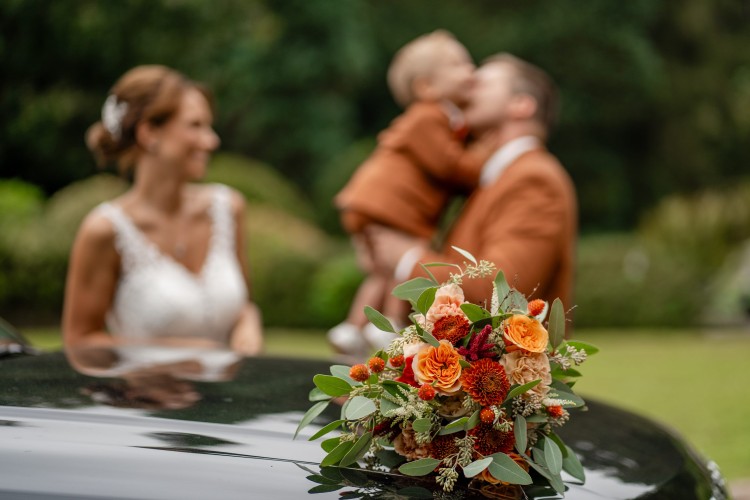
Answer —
429 140
521 235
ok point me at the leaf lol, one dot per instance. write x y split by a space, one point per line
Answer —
325 430
466 255
474 312
329 444
428 337
317 395
554 480
420 467
335 456
464 363
556 324
359 407
583 346
342 372
416 492
396 389
358 450
553 456
502 288
331 385
317 478
429 273
426 299
377 319
562 391
412 289
324 488
517 390
386 407
503 468
473 420
519 431
422 425
559 442
573 466
455 426
389 458
310 415
477 466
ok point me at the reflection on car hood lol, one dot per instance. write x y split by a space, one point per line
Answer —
58 439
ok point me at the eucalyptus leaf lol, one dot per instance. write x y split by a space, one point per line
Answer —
359 407
519 431
559 442
554 479
324 488
556 327
504 468
473 421
520 389
477 466
389 458
583 346
342 372
317 478
317 395
414 492
380 321
517 299
358 450
474 312
560 390
412 289
329 444
396 389
422 425
502 288
465 254
455 426
464 363
386 407
426 299
553 456
325 430
429 338
310 415
420 467
573 466
335 456
331 385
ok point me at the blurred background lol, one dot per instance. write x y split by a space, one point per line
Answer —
655 132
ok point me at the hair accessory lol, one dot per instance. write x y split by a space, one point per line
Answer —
112 114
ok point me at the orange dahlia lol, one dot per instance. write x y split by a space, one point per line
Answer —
490 440
486 382
451 328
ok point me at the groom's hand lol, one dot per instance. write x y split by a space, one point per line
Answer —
390 245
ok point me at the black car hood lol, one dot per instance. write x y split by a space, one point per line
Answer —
63 434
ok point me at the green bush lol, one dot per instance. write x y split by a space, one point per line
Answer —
333 287
259 183
621 283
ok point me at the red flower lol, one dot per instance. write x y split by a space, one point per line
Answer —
426 392
444 446
360 373
487 416
478 346
385 429
376 364
555 411
407 376
490 440
486 382
451 328
397 361
536 307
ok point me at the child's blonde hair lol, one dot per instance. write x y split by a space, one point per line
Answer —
415 60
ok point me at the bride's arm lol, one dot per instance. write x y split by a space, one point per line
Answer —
247 336
89 288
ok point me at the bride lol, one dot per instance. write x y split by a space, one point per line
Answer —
165 262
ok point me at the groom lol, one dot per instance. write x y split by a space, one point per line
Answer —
523 215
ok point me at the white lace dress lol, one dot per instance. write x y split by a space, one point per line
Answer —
157 296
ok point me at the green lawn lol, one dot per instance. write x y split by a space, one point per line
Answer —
694 381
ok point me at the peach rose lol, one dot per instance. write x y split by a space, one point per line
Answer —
523 367
525 333
439 367
448 300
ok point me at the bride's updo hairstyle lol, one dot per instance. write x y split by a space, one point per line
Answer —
149 93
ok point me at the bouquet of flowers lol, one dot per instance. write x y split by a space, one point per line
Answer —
463 390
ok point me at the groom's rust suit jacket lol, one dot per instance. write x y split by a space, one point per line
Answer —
526 223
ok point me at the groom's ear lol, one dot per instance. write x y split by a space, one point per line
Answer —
523 106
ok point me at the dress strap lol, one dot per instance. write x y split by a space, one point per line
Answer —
223 221
129 242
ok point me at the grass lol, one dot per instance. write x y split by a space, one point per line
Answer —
693 381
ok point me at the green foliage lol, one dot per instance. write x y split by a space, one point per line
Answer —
333 285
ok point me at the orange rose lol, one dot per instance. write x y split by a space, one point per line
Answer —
439 367
525 333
